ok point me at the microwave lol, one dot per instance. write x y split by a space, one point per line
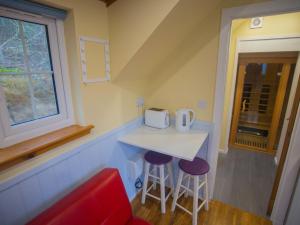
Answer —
157 118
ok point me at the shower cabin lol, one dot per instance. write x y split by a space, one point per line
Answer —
261 95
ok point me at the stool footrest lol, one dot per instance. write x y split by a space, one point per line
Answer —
158 198
169 194
201 205
153 196
157 178
149 188
180 194
201 185
184 209
153 176
186 189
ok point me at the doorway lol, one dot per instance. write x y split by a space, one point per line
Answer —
262 91
264 79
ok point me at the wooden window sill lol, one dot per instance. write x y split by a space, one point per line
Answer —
25 150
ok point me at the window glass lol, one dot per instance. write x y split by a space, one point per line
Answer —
26 74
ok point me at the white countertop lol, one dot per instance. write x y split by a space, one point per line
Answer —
167 141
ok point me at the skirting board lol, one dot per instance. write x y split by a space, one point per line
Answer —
276 160
222 151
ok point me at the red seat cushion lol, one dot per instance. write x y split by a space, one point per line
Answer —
138 221
100 200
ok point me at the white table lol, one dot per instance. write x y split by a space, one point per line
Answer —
167 141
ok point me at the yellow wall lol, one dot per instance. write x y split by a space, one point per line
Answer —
131 22
285 24
165 51
188 74
105 105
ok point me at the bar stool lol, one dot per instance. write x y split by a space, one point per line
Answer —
192 169
158 162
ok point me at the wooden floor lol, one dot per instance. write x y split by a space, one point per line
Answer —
218 214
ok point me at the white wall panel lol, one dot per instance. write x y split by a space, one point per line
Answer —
62 175
48 186
12 206
24 196
31 195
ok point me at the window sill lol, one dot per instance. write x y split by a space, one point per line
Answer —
25 150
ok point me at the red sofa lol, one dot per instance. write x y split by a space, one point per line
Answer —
100 200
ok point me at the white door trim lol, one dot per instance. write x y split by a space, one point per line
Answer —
259 9
254 45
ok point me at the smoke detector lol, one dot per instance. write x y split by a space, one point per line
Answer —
256 22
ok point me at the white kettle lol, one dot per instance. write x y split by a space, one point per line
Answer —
184 119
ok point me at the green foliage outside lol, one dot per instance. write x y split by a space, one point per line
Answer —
24 47
10 70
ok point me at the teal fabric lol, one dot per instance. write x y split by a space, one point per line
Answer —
35 8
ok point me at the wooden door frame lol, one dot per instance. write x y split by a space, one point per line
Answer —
237 102
286 58
239 49
279 101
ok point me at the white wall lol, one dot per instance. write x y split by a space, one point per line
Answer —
288 177
26 194
293 214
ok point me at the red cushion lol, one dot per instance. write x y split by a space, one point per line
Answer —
101 200
138 221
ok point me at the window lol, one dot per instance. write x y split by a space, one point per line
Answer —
26 74
33 88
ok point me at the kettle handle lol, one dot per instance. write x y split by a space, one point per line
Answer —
194 115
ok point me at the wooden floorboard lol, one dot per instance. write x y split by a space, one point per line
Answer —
218 214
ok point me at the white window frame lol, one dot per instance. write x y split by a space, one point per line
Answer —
10 135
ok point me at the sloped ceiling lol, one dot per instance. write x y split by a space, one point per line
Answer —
108 2
175 37
182 30
131 23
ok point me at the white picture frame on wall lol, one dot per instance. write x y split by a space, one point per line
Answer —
85 75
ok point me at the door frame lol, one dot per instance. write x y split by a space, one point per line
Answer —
252 47
229 14
285 151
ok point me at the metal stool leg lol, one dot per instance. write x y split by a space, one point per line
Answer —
162 189
195 199
147 168
177 190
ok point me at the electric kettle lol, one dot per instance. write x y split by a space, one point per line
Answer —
184 119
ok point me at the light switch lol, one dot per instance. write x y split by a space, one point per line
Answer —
140 102
202 104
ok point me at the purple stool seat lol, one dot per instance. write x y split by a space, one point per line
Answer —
196 167
156 158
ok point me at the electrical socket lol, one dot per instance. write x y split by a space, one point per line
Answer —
140 102
202 104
